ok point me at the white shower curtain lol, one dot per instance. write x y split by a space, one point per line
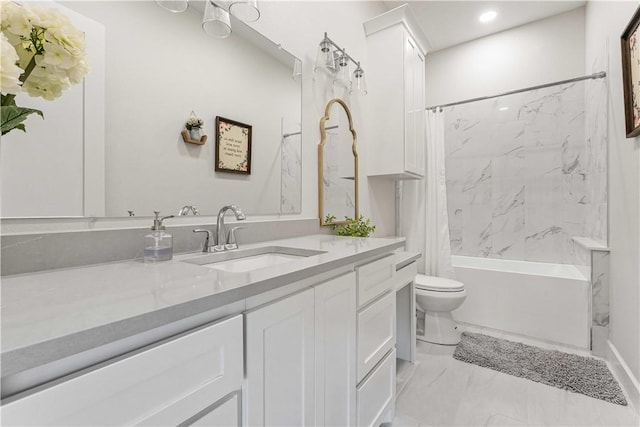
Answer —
425 222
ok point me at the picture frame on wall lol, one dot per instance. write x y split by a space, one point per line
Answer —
233 146
630 42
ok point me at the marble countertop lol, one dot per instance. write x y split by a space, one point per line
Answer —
49 315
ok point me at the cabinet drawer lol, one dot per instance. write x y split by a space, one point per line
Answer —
405 275
162 385
376 333
375 279
376 394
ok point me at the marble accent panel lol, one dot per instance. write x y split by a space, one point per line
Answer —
521 177
291 160
600 287
596 159
594 256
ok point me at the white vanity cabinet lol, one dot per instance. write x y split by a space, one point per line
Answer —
301 358
376 340
326 355
396 49
279 382
303 350
192 379
335 310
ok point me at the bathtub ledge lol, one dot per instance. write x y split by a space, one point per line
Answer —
590 244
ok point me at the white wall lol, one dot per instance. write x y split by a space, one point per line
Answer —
605 22
540 52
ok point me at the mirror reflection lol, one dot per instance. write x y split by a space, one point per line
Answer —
337 165
158 67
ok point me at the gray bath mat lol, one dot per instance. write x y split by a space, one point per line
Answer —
571 372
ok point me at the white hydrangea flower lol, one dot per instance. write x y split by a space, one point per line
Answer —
15 21
43 47
195 121
62 60
9 71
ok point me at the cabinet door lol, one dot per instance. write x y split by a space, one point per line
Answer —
419 109
335 308
410 155
414 107
279 383
162 385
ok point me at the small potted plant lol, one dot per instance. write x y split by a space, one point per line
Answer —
193 133
360 227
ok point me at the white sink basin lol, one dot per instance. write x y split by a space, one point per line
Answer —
253 262
242 260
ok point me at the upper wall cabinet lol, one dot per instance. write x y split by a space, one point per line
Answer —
396 48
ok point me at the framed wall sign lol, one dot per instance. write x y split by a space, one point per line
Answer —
630 41
233 146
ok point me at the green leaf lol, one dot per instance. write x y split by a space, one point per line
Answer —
360 227
8 99
13 116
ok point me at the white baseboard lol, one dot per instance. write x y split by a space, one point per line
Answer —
627 380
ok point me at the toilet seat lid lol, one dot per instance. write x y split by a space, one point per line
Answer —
432 283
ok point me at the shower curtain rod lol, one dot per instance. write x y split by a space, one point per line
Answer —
593 76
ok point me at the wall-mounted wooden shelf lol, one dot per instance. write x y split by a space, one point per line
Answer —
187 138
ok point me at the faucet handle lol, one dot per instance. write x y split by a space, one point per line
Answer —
232 243
207 239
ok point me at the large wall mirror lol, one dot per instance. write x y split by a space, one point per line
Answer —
337 165
157 68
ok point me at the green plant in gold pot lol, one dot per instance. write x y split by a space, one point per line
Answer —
360 227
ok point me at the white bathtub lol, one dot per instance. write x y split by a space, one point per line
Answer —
546 301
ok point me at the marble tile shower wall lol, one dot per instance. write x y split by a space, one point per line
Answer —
517 179
291 176
596 159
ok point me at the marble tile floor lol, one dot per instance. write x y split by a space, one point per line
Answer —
441 391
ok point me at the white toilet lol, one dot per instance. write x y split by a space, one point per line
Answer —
437 297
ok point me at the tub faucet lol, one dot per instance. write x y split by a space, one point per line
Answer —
186 209
221 237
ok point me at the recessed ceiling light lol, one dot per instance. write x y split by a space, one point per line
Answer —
503 108
488 16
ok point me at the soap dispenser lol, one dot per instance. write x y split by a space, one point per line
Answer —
158 245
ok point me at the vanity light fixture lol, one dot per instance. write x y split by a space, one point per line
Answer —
488 16
343 76
358 84
216 21
334 60
175 6
325 60
245 10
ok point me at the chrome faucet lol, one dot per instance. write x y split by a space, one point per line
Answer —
221 239
186 209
